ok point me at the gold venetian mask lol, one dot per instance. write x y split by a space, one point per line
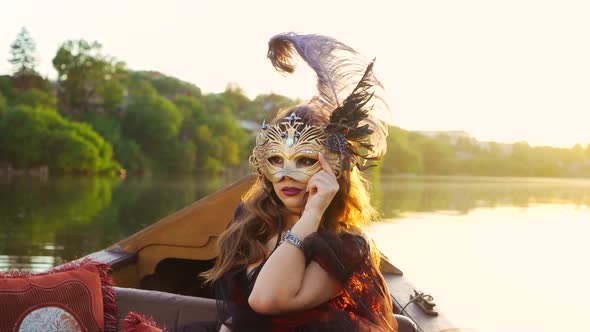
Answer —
290 148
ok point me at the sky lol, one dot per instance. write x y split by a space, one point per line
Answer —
502 70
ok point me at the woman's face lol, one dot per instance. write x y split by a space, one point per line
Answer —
292 192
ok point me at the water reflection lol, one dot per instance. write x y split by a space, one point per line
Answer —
65 218
498 269
394 196
29 263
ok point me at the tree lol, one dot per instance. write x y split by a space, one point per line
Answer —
437 154
88 80
126 151
167 86
22 57
578 153
22 53
151 122
141 88
400 157
235 98
522 157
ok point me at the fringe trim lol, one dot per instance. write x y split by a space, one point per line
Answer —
109 298
133 320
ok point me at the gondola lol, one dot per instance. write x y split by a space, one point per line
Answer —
156 269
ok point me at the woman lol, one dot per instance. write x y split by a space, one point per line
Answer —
294 258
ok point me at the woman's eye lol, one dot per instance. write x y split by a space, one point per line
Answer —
306 162
276 161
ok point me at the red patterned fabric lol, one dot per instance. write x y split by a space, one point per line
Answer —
135 322
365 295
77 296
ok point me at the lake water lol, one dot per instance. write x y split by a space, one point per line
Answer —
497 254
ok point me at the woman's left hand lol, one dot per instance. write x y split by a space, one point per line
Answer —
322 187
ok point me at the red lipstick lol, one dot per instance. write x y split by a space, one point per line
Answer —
291 191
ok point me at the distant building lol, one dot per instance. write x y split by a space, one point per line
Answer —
505 148
454 135
250 126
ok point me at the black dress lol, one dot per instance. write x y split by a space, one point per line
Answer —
363 305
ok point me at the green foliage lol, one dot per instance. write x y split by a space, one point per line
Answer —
2 103
193 112
147 120
141 88
127 152
178 156
7 88
166 86
36 137
235 98
266 106
222 139
401 157
36 98
88 80
112 93
219 141
411 152
151 122
154 123
437 155
130 155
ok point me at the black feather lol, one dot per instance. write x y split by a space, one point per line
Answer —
345 122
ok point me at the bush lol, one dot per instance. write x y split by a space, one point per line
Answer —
37 137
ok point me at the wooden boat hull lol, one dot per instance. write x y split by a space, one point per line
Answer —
168 255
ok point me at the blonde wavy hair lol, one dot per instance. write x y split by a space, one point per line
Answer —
243 242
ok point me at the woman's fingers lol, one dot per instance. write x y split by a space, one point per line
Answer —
324 180
322 187
325 165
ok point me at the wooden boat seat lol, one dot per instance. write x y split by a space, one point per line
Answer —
173 311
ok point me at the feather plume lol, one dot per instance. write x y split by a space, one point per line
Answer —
344 77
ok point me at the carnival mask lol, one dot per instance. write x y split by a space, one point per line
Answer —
290 148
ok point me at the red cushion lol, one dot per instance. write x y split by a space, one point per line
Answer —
77 296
